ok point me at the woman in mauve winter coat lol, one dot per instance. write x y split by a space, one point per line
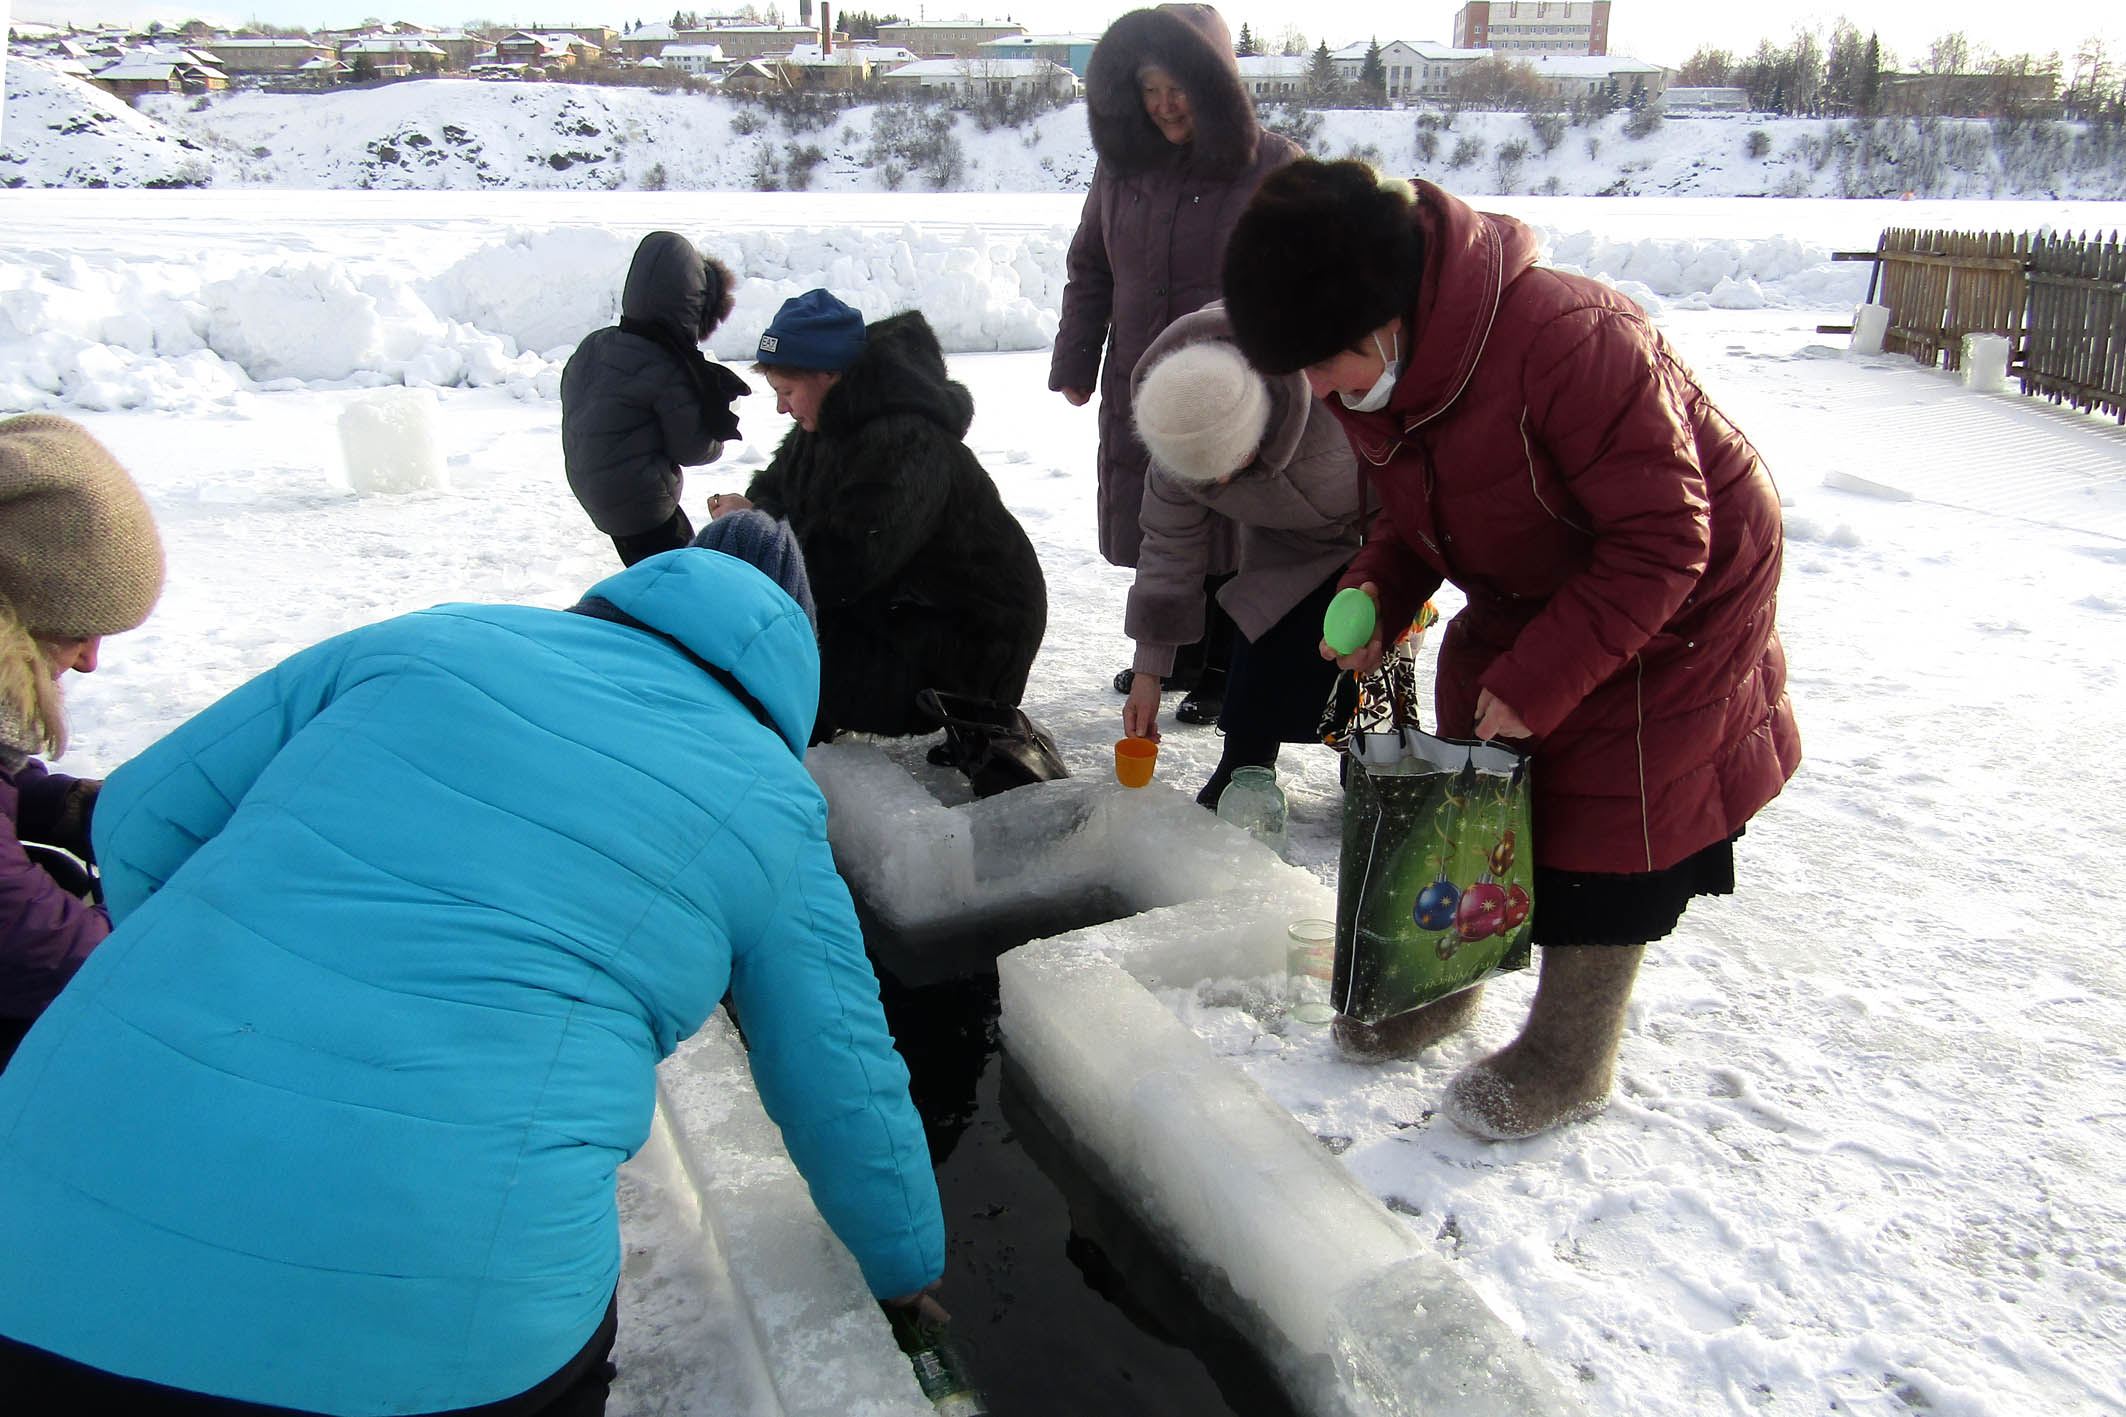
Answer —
1263 454
79 560
1179 155
1534 439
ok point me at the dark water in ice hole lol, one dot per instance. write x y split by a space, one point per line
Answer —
1061 1301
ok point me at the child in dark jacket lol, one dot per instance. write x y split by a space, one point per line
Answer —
639 400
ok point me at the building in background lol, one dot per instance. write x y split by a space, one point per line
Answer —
982 76
1566 77
946 39
1072 51
241 57
1522 29
1410 69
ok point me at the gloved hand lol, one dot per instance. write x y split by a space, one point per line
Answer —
61 819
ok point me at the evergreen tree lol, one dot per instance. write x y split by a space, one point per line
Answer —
1245 47
1871 78
1323 84
1373 78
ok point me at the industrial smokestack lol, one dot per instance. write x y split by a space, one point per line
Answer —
826 27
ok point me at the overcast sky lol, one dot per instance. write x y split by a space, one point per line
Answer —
1659 31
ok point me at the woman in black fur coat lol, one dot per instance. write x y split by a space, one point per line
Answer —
923 579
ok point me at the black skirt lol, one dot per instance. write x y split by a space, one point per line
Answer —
1597 908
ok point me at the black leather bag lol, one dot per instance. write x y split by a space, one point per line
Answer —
995 744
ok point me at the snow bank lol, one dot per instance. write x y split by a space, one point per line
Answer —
170 329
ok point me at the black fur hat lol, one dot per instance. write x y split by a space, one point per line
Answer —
1324 254
716 295
1192 44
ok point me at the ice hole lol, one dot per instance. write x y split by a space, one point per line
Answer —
1112 1188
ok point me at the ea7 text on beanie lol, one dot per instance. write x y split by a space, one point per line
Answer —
813 331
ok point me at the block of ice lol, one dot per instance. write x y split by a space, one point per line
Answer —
1413 1339
767 1313
1870 324
925 866
389 442
1985 363
1313 1265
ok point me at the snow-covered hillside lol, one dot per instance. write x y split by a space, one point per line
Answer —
458 134
59 131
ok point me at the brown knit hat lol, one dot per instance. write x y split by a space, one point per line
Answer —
78 551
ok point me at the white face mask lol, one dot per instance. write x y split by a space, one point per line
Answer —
1375 399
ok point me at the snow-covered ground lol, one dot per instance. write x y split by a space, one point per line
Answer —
460 134
1865 1155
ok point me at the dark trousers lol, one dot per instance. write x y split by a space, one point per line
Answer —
42 1384
1213 651
1275 691
670 534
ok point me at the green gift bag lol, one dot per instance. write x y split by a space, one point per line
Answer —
1434 893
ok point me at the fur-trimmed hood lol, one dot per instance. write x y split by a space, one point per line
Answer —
1192 44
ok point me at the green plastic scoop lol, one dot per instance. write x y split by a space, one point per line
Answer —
1348 623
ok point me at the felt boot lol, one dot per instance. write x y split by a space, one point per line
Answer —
1560 1069
1407 1034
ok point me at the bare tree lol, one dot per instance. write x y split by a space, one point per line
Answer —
1951 54
1294 41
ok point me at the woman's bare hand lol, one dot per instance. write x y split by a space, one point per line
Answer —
1140 711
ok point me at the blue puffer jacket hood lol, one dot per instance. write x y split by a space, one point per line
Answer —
737 619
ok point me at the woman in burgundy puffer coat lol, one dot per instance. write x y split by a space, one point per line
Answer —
1533 439
1179 155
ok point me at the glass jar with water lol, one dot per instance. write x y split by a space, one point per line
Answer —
1254 802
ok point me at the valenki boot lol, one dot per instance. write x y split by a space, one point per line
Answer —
1406 1034
1560 1069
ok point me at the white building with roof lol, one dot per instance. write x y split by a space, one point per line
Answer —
1412 69
1268 77
1569 76
700 60
980 75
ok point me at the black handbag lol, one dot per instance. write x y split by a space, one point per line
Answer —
995 744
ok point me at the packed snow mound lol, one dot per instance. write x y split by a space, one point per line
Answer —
175 330
61 131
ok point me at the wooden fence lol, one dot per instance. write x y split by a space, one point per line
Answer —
2061 301
2074 344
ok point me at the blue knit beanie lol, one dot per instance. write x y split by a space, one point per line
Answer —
813 331
761 541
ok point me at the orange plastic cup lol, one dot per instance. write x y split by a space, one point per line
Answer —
1133 760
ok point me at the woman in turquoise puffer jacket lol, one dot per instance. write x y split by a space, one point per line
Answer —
403 927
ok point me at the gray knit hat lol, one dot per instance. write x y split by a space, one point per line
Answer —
78 551
770 545
1202 411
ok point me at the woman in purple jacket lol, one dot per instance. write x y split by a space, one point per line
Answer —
79 559
1179 155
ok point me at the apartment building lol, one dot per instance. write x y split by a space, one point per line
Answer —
1523 29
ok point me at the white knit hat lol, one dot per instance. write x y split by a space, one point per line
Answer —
1202 411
